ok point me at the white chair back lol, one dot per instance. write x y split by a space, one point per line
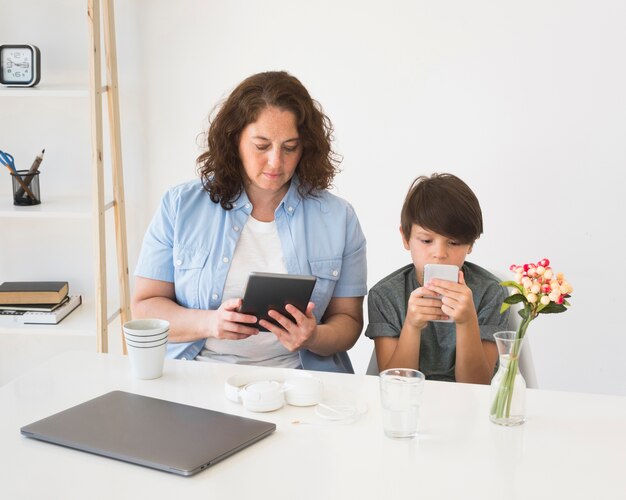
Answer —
526 364
372 367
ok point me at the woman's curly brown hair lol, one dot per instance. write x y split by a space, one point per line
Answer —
220 167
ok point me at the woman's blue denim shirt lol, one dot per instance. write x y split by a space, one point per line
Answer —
191 242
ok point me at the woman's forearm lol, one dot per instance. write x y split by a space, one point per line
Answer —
186 325
337 334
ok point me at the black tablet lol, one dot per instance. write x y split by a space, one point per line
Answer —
265 291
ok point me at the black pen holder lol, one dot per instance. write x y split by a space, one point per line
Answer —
25 188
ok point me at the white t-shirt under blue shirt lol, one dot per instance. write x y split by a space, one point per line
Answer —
191 242
257 249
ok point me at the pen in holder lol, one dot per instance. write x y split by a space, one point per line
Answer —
25 188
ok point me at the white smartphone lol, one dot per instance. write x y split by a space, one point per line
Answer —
446 272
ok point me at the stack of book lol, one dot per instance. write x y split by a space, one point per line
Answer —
37 302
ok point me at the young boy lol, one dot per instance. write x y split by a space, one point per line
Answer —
440 221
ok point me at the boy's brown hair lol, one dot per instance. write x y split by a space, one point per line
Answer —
444 204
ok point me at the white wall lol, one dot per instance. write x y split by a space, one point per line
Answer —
523 100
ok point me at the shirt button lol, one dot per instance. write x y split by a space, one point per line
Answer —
215 296
184 358
247 205
225 260
179 262
335 272
236 229
289 209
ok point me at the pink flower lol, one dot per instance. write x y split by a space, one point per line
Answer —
539 287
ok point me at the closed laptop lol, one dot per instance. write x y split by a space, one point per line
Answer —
152 432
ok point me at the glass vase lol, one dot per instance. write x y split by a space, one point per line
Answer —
508 387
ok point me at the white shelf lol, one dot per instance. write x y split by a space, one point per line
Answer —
65 207
49 90
81 322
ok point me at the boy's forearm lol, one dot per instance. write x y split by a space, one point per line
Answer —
407 350
471 365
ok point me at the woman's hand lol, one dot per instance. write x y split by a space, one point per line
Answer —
225 322
457 301
293 335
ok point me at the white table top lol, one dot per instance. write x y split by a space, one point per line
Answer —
572 445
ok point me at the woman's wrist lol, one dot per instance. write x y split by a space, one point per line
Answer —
206 324
311 342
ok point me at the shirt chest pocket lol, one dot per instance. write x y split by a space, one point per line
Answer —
327 272
188 267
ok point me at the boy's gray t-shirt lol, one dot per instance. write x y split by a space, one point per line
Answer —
387 305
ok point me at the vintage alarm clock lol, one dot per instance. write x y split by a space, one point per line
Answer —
20 65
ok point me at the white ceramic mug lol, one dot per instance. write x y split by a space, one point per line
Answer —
146 344
146 327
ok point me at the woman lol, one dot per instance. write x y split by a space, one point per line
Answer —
262 204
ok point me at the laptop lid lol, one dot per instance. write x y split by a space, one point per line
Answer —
152 432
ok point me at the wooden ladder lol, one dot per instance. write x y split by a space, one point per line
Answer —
118 204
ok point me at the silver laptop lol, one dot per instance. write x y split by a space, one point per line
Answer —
152 432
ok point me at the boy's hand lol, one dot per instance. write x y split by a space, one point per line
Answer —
456 299
421 309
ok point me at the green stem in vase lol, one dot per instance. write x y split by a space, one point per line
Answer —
501 406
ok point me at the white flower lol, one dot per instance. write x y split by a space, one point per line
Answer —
555 294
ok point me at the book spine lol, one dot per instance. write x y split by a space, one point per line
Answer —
11 318
54 317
